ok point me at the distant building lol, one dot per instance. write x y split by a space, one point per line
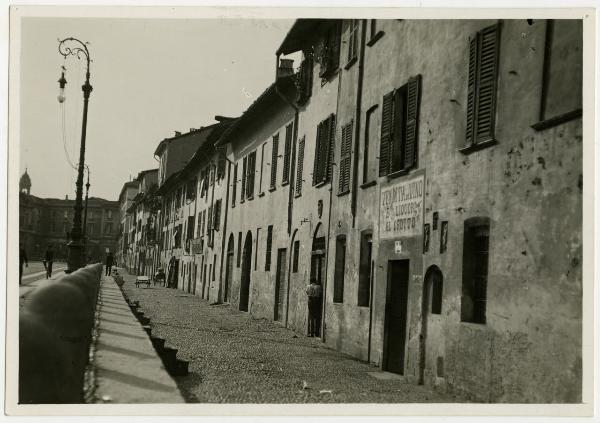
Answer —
48 221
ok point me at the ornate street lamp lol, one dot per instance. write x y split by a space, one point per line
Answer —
74 47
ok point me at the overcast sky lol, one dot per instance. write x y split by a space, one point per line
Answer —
149 77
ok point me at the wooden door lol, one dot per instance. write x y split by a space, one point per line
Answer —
396 315
279 284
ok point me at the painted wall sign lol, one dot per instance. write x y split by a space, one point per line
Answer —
401 209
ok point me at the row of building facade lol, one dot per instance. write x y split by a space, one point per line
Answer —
47 222
427 173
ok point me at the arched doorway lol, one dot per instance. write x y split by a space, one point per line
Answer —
246 270
228 269
317 268
431 303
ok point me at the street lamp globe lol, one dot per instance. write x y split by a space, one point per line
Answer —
61 83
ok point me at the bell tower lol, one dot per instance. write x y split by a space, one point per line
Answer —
25 183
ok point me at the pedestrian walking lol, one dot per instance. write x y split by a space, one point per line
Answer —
48 260
22 259
109 263
314 291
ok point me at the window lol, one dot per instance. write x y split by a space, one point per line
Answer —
234 187
178 236
221 163
262 162
368 169
239 249
251 173
109 214
345 158
364 273
209 221
352 42
304 79
274 153
340 265
296 256
323 150
475 269
191 188
108 228
481 93
217 215
269 247
330 55
300 167
190 227
399 128
244 176
561 79
214 267
287 153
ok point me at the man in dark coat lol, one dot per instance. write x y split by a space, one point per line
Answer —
109 263
48 260
22 259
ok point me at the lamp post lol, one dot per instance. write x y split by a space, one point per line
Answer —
74 47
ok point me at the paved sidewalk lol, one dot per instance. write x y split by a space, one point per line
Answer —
235 358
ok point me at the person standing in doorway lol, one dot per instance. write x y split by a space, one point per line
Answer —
48 260
22 259
109 263
314 293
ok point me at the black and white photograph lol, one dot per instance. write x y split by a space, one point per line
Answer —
318 211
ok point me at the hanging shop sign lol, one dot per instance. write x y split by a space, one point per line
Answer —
401 208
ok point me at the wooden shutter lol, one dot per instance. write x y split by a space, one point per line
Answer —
210 219
329 151
274 153
345 158
386 134
244 171
234 188
251 174
317 154
217 215
221 167
472 85
287 153
486 87
412 121
333 54
300 166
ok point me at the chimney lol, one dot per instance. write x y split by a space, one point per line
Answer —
286 68
177 133
66 196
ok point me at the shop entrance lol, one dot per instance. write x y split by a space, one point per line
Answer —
396 314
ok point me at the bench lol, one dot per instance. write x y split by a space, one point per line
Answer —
139 280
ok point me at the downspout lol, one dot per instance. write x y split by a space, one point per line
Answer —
290 186
223 235
212 204
357 126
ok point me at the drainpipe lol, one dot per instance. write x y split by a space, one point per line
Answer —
357 120
290 186
223 234
212 204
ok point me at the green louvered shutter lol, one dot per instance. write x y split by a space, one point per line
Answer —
412 121
386 134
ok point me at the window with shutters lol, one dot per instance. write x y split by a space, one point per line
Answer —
269 247
562 80
244 176
398 149
274 152
262 163
221 167
287 153
296 256
340 266
234 185
475 269
330 54
199 226
352 42
300 167
217 215
324 151
304 79
482 85
345 162
190 227
369 166
250 177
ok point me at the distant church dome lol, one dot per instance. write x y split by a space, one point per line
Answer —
25 183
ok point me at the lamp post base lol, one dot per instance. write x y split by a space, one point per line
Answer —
75 256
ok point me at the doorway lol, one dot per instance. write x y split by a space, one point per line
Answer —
279 283
432 294
396 316
317 271
228 269
246 269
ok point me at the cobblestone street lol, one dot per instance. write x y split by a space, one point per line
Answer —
235 358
